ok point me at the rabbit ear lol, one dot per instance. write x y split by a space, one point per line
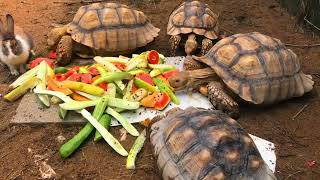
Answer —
2 30
10 24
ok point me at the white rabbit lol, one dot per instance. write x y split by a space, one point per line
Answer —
16 46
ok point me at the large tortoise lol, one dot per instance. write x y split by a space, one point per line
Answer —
256 67
192 21
205 144
102 29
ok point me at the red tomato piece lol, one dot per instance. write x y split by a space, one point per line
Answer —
60 77
162 101
52 55
134 88
104 86
37 61
75 68
93 71
86 78
119 65
75 77
153 57
170 73
69 73
145 77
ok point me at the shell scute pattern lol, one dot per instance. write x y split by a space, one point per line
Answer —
193 17
202 144
111 27
254 66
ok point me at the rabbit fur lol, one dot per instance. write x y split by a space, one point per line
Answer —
16 46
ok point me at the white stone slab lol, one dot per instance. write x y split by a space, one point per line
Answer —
31 111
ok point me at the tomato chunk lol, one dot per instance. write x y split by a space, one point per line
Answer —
146 78
170 73
37 61
153 57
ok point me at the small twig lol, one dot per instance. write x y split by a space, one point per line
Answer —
300 111
286 155
6 154
305 18
295 173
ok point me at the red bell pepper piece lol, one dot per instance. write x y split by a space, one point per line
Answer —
145 77
153 57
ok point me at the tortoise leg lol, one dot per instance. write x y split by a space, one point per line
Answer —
174 42
64 50
206 46
222 100
191 64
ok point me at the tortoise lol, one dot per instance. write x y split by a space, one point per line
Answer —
192 21
205 144
255 67
102 29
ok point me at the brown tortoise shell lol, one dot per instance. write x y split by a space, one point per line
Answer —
111 27
205 144
193 17
259 68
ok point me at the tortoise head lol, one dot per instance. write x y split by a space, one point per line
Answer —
191 44
55 35
180 80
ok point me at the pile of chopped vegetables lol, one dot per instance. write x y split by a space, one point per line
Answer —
101 91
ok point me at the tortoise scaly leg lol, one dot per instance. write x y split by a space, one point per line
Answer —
191 64
64 50
206 46
221 100
174 42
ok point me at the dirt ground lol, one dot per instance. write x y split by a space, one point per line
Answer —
297 140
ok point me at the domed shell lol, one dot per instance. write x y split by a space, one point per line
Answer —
205 144
193 17
259 68
111 27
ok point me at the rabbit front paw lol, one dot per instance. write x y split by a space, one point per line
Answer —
13 71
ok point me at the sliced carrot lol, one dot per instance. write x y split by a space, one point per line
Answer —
163 79
95 78
57 86
78 97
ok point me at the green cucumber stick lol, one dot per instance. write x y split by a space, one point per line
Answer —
69 147
105 120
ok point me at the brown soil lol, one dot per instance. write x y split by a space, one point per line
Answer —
297 141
